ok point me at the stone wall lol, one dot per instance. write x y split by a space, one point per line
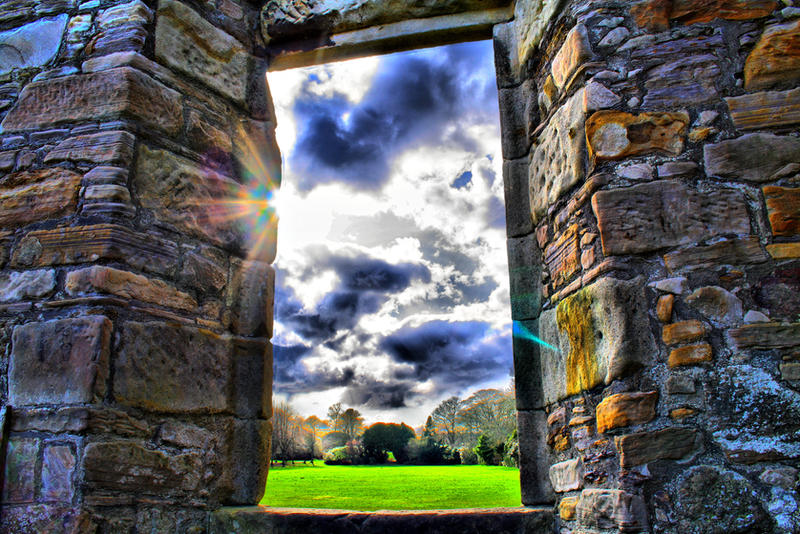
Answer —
134 315
652 171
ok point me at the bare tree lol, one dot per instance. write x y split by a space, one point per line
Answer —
445 416
285 432
335 417
352 422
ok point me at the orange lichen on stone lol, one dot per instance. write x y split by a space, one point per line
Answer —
664 307
616 134
652 15
566 508
691 355
31 196
574 314
783 209
775 60
682 413
784 251
625 409
683 331
694 11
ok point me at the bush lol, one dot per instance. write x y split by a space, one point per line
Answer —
487 452
381 438
350 454
430 452
511 450
334 439
468 456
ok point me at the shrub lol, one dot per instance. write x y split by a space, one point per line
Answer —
487 451
511 450
381 438
468 456
431 452
350 454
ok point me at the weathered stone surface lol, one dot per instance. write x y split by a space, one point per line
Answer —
81 244
743 158
252 377
674 286
32 45
690 355
601 332
683 82
527 365
754 417
567 508
68 419
765 336
103 148
790 371
203 273
652 15
58 464
596 96
186 435
575 51
59 362
121 92
517 198
15 286
530 24
251 295
45 518
694 11
730 252
125 284
765 110
188 43
775 60
718 304
681 385
711 499
557 157
625 409
519 115
20 464
683 331
784 251
753 316
562 256
525 271
128 466
156 519
249 460
186 195
664 308
608 508
784 477
617 134
155 360
567 475
30 196
666 213
667 444
783 209
533 462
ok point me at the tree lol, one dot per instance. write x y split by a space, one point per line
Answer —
387 437
285 432
489 411
351 422
486 451
430 430
313 425
446 418
335 416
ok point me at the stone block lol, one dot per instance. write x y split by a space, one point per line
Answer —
189 44
558 159
575 51
596 96
743 158
16 286
744 251
784 251
790 371
718 304
562 256
251 297
157 519
690 355
533 459
708 499
609 508
625 409
101 279
783 209
567 475
252 380
664 308
59 362
567 508
683 331
187 196
519 114
681 385
129 467
766 336
81 244
32 45
58 465
775 60
527 365
525 273
753 415
765 110
203 273
517 198
531 22
102 148
44 518
20 467
699 11
206 137
617 134
666 213
601 332
175 369
652 15
687 81
31 196
122 92
668 444
249 460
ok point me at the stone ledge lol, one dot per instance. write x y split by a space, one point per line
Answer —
467 521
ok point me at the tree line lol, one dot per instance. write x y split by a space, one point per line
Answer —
479 428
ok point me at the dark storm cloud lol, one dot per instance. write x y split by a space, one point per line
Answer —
455 354
411 101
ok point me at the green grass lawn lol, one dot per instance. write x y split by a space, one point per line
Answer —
392 487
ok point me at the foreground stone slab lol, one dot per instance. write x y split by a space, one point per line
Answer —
31 45
775 60
765 110
30 196
256 519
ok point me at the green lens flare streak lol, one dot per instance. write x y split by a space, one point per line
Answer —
521 332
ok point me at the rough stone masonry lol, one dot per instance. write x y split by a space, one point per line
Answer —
652 174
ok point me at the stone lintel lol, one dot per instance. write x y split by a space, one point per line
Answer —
388 38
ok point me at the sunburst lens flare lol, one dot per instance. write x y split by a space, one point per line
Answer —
521 332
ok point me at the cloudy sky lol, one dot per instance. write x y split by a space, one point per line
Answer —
392 289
